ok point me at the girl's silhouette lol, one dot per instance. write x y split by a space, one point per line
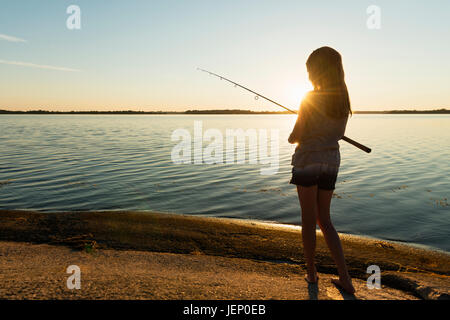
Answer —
321 122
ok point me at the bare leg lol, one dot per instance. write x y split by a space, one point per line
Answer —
308 203
332 239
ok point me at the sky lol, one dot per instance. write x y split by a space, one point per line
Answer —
144 54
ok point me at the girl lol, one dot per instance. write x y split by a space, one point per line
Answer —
320 124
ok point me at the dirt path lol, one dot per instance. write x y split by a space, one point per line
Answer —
38 271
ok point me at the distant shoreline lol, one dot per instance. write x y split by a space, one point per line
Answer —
217 112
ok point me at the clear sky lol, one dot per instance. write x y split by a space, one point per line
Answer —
143 54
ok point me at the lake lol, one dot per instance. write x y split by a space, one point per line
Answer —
109 162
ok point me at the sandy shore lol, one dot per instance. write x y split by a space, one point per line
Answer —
137 255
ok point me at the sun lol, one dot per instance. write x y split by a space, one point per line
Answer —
298 91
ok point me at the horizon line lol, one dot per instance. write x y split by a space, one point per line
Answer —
209 111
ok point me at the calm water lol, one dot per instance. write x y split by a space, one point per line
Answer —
85 162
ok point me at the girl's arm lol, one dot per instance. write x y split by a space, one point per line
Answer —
298 128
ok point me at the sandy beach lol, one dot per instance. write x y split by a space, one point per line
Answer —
145 255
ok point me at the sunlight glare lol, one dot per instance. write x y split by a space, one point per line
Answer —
298 91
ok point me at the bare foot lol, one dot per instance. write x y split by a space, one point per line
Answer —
346 285
312 277
312 280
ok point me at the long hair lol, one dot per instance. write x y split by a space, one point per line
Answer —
326 73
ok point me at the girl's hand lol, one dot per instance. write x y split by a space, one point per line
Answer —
292 139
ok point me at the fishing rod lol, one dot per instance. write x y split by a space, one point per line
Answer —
257 95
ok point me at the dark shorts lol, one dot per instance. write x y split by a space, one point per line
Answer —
320 174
